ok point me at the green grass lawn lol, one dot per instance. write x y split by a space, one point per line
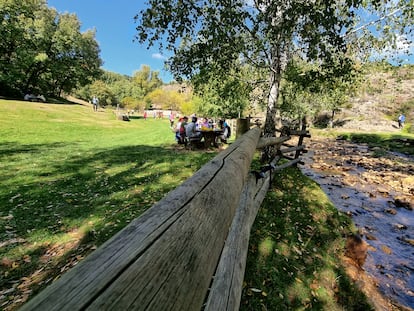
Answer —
71 178
383 141
296 244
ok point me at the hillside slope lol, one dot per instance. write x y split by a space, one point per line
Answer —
382 96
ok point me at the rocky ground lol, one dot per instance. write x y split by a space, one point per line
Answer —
377 191
374 187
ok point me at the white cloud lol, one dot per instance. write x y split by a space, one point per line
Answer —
403 46
158 56
401 52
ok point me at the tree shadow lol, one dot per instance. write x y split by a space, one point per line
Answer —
292 250
87 197
9 149
49 100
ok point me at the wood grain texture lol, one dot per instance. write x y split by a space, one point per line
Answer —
225 293
163 260
271 141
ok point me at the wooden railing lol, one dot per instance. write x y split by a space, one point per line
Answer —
187 252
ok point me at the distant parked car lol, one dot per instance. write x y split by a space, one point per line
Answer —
34 98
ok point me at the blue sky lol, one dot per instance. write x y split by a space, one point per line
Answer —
115 30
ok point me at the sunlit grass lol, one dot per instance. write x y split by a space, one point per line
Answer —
384 142
295 246
71 178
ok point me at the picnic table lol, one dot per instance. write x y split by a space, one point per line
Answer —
210 137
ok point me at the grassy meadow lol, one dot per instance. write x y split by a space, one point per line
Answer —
71 178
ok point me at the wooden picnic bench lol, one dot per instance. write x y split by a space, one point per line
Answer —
210 137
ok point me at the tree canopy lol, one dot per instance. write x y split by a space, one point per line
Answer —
220 36
43 51
115 89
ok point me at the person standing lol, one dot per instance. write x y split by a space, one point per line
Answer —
171 119
95 102
182 131
401 120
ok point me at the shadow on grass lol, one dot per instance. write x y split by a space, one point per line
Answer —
49 100
292 260
10 149
136 117
84 197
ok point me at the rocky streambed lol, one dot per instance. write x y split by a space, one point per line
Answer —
376 189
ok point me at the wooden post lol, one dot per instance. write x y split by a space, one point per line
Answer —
242 126
301 137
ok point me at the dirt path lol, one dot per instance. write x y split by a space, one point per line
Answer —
378 193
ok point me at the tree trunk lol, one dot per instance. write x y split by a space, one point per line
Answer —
332 118
273 116
32 77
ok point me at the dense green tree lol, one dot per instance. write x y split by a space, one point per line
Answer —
211 36
122 86
43 51
222 96
103 92
262 33
125 90
73 55
307 90
190 106
146 79
131 103
16 42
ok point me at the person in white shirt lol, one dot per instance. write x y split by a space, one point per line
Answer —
191 128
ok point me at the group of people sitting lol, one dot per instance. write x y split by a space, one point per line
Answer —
185 131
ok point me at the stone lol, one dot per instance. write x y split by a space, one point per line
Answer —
403 202
400 227
370 237
356 249
391 211
386 249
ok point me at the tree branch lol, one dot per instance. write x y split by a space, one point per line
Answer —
374 21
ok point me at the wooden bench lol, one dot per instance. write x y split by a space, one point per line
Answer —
195 142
